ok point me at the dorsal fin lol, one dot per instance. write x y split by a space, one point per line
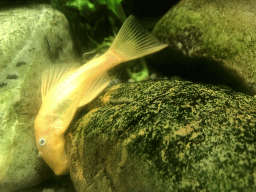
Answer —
52 75
94 87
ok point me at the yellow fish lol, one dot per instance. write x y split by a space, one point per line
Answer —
66 89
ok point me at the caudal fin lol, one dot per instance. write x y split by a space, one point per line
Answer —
132 41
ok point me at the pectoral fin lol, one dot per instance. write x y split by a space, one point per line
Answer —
94 87
52 75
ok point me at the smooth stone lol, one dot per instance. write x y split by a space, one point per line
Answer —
30 37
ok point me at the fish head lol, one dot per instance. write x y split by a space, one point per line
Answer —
51 146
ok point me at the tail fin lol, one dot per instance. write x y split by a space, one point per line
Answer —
132 41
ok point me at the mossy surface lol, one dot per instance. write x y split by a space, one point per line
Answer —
165 136
224 30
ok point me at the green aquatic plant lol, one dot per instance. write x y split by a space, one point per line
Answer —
86 18
86 5
115 7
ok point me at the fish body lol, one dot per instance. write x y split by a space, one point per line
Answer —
65 89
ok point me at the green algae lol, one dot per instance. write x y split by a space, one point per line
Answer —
178 136
222 30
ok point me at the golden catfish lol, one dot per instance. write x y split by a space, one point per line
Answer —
65 89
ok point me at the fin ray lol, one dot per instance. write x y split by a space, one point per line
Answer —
132 41
52 75
94 87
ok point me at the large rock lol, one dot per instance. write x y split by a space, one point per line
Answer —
165 136
30 38
212 41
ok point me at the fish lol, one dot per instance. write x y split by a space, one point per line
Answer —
66 88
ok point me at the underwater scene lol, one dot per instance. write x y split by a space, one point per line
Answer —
127 96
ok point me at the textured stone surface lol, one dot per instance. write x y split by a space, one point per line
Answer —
30 37
165 136
222 31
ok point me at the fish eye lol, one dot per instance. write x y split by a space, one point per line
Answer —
42 142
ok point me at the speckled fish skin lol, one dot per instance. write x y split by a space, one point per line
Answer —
63 94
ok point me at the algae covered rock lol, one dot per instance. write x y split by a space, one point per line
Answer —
165 136
221 31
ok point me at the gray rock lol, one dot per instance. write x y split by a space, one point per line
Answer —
30 37
164 136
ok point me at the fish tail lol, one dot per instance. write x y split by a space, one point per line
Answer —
132 41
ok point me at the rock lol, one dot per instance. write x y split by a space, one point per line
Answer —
30 38
164 136
211 42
